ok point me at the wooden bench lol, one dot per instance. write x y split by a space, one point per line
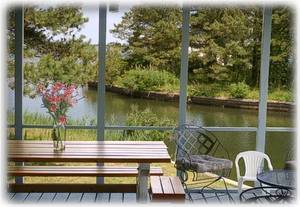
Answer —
101 171
165 188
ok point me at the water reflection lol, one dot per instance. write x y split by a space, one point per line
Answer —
118 107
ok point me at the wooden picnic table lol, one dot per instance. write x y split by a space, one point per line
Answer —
141 152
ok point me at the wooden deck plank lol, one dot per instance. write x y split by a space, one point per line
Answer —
223 197
75 197
156 187
87 149
89 158
105 152
88 197
89 144
177 186
102 197
198 198
211 198
33 198
60 197
20 197
46 142
166 185
79 171
129 198
47 197
116 198
147 152
74 188
235 197
10 195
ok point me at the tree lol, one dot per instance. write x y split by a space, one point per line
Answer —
230 42
282 48
223 37
52 51
115 64
153 37
225 43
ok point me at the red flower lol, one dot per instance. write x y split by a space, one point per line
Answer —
57 98
53 99
62 120
53 108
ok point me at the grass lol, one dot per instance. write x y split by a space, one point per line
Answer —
223 91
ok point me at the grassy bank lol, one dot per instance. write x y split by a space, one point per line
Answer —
238 91
151 79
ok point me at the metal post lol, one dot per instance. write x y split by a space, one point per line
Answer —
264 78
101 78
184 65
19 40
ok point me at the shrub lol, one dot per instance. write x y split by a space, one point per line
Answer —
206 90
281 95
146 117
239 90
115 65
147 79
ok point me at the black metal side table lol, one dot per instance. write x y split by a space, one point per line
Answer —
278 178
281 184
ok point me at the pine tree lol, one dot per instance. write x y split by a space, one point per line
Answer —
52 51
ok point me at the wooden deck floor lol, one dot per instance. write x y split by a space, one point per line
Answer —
108 198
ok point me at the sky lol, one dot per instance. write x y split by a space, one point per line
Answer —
90 29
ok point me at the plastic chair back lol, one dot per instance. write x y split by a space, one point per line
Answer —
253 163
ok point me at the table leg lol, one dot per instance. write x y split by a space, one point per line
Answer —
142 182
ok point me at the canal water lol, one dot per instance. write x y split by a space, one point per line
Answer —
278 144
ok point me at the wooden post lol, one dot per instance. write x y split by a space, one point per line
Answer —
142 182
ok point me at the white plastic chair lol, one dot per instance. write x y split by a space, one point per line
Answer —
253 164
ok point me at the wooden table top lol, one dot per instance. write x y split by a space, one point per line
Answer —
89 151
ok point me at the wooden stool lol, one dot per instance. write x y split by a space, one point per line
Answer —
165 188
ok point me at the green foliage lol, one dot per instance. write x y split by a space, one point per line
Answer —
239 90
225 43
47 29
153 36
115 64
281 95
147 79
146 118
135 117
52 51
79 67
282 49
206 90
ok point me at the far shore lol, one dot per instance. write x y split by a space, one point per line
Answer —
216 101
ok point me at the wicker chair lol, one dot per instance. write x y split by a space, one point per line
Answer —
199 151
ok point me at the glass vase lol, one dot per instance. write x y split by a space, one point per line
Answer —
59 138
